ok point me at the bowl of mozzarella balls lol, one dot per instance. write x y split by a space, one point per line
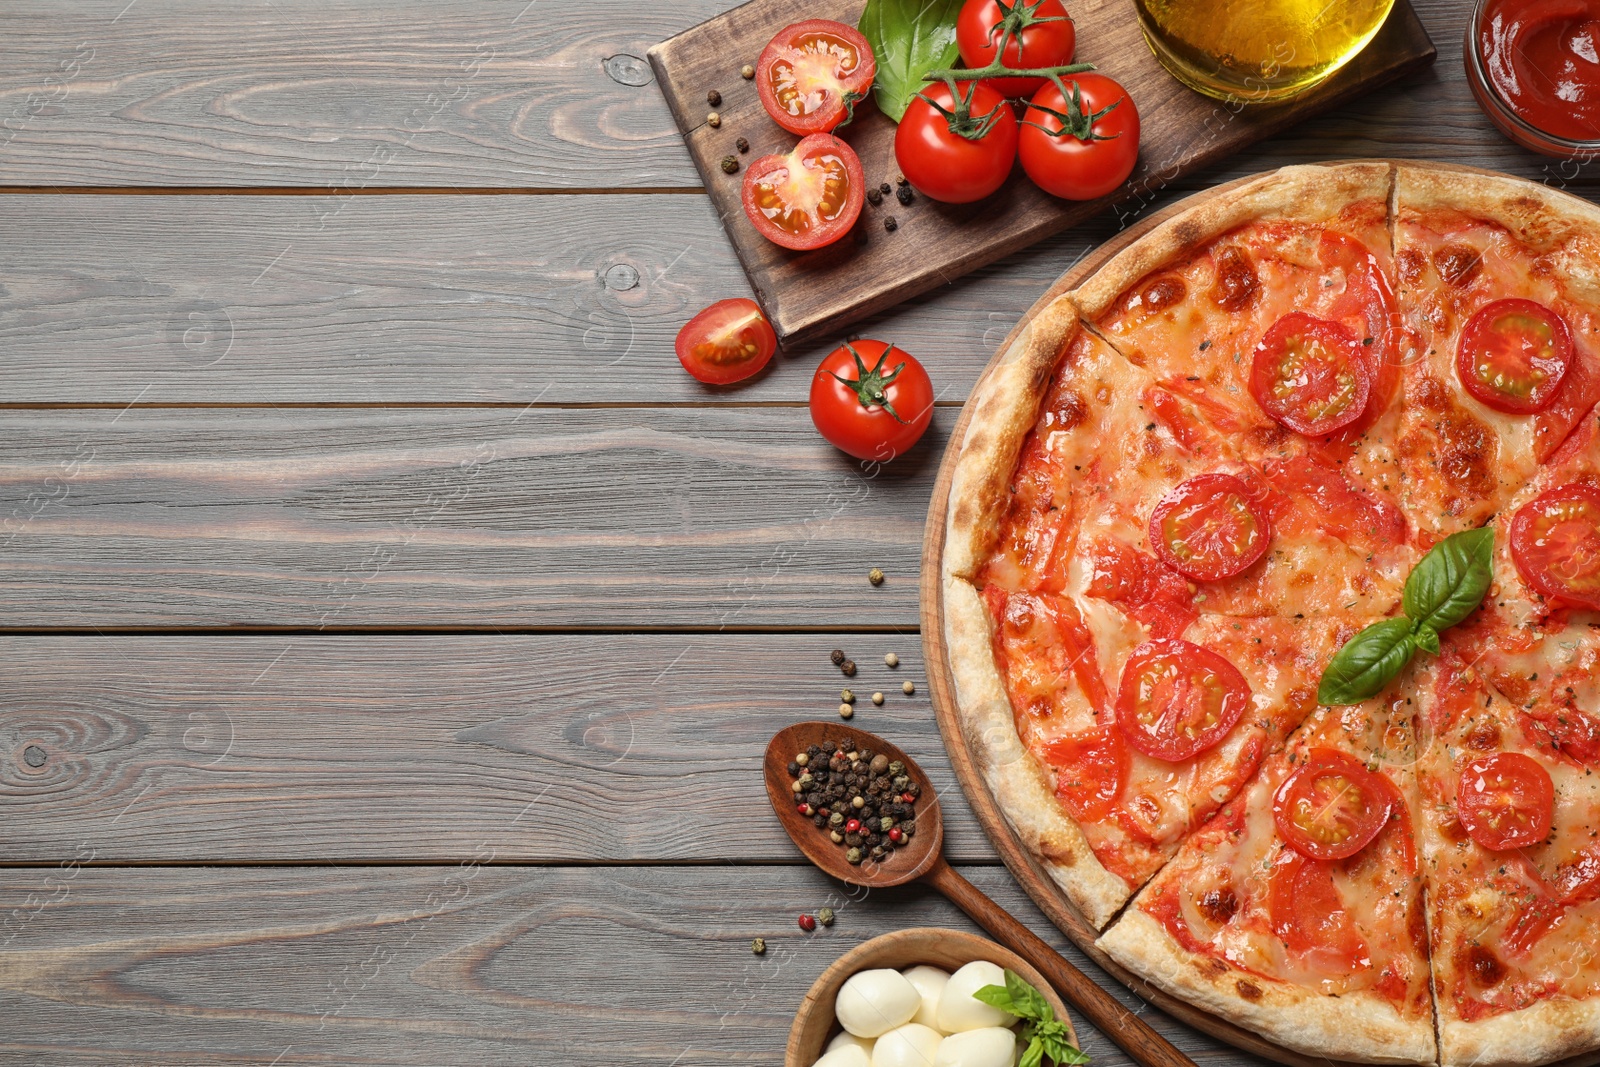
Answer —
907 999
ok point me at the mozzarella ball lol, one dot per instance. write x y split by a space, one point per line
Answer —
991 1046
911 1045
872 1003
845 1039
848 1056
930 982
960 1011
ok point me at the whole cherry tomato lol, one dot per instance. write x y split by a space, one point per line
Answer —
808 198
727 342
1084 146
811 73
1037 34
871 400
957 149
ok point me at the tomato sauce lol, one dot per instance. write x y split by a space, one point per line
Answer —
1543 58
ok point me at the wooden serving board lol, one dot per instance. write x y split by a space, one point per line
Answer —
808 295
1035 882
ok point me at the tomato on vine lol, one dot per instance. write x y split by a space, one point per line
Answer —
1083 145
957 148
1036 34
866 411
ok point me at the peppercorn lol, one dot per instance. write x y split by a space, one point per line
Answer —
885 189
730 165
853 856
885 824
878 852
901 179
825 916
877 698
891 660
742 145
846 711
889 224
714 98
853 826
908 688
875 575
807 923
759 946
897 768
803 758
849 668
847 696
879 764
747 72
837 837
836 657
897 835
837 819
858 802
902 194
713 120
874 197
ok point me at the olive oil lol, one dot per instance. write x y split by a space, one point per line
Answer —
1258 50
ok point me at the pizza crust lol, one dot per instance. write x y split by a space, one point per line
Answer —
1542 1033
1011 774
1358 1026
1313 194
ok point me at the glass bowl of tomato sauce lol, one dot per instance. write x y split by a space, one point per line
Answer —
1534 66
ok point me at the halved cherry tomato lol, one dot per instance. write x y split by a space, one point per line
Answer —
871 400
1505 801
1209 529
1090 769
1081 147
1178 699
808 198
810 73
1331 807
1038 33
1555 543
1310 375
727 342
963 153
1309 916
1513 354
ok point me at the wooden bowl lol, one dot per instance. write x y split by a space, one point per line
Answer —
815 1025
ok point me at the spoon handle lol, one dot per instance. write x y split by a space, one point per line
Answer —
1131 1033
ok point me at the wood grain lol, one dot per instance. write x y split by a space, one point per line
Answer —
329 749
406 299
809 294
430 966
535 518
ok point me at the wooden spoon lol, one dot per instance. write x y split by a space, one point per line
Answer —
922 858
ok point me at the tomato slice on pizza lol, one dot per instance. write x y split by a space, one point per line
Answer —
1311 374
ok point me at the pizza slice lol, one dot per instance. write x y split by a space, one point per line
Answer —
1297 912
1503 305
1138 739
1509 827
1272 313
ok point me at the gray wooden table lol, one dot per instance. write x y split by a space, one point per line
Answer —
392 628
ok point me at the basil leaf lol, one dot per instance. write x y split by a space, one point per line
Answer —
1367 662
1060 1050
1450 581
1426 638
908 38
1027 1001
1034 1056
996 996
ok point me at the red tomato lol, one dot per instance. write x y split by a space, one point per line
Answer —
1364 519
1331 807
1505 801
961 156
1310 375
1178 699
727 342
1555 543
1309 917
1571 730
810 73
1147 590
1209 529
1037 34
808 198
1084 147
867 410
1513 354
1090 770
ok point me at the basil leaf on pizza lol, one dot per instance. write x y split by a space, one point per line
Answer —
1368 662
1449 582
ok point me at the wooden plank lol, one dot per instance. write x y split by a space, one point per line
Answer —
397 299
338 95
810 294
334 749
485 519
452 965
